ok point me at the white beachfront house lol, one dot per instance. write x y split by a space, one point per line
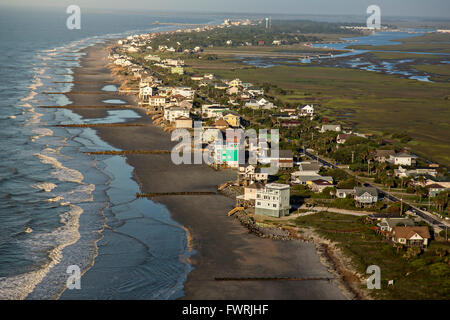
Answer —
145 92
173 113
273 200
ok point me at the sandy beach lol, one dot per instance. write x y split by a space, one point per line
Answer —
222 247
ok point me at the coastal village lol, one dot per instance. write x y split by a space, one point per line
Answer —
322 165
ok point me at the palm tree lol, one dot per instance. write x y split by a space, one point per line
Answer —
421 180
421 192
441 200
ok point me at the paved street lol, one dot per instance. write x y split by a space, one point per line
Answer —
428 217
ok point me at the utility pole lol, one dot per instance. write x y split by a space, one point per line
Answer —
353 156
401 206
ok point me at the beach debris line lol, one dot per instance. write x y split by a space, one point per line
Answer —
125 152
186 193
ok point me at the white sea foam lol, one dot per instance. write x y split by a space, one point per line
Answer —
42 132
18 287
46 186
62 173
55 199
82 193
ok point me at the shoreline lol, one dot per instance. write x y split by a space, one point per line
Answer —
223 247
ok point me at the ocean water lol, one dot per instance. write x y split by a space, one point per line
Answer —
56 202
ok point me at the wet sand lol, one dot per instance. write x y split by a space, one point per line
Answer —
222 246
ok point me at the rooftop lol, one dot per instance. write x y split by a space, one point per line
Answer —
278 186
408 232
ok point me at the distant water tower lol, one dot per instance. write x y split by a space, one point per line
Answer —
268 22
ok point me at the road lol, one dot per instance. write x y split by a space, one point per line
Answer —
428 217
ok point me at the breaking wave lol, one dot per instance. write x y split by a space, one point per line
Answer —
18 287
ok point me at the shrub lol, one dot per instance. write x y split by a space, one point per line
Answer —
439 269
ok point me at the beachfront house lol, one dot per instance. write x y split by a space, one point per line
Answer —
157 102
173 113
183 123
273 200
227 152
146 91
249 196
411 236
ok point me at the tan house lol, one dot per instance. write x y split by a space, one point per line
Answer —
183 122
221 124
250 191
411 236
319 185
233 90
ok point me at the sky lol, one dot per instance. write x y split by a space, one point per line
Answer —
408 8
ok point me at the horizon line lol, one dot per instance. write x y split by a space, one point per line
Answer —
213 12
